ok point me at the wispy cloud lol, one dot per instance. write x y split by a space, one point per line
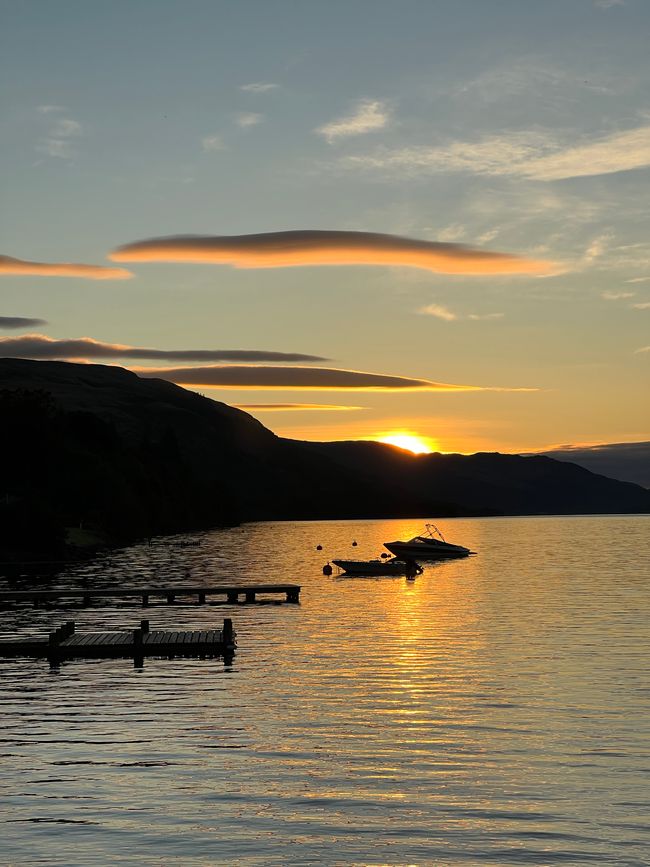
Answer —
312 247
248 118
303 378
452 233
212 143
642 349
41 346
616 296
59 141
618 152
21 267
529 154
596 248
49 109
494 155
259 87
530 74
642 305
608 4
301 407
442 312
66 127
56 148
488 236
20 322
369 116
439 311
638 280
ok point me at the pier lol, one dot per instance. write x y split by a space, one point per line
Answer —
66 643
232 594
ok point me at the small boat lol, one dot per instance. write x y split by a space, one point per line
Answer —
430 545
379 567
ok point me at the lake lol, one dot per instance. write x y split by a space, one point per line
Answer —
496 710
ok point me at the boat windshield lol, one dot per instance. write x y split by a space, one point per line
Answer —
431 534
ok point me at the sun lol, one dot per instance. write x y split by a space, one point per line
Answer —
410 442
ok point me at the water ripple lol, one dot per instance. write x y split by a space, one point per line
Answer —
494 711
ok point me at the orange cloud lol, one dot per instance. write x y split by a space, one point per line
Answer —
41 346
301 378
313 247
20 267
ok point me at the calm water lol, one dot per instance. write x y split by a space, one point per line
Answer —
494 711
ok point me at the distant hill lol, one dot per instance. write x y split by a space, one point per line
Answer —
99 447
628 462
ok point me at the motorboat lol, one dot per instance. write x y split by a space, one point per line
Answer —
430 545
395 566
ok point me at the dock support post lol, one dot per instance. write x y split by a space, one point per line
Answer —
145 600
201 599
86 600
233 596
53 655
250 596
67 630
171 598
144 626
293 595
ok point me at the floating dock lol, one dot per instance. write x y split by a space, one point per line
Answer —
232 593
66 643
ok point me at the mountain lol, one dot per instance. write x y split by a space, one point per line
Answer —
628 462
98 447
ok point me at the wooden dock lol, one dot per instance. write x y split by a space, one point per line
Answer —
66 643
232 594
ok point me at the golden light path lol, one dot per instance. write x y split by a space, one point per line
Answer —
408 441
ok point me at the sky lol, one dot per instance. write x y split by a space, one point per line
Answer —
357 219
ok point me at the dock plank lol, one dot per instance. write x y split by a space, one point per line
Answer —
196 642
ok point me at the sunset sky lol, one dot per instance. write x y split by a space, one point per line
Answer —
356 218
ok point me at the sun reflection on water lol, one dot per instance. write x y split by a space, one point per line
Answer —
493 705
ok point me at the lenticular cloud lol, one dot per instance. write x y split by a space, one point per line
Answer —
39 346
20 322
312 247
298 378
21 267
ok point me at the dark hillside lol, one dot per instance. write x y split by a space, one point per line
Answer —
99 447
